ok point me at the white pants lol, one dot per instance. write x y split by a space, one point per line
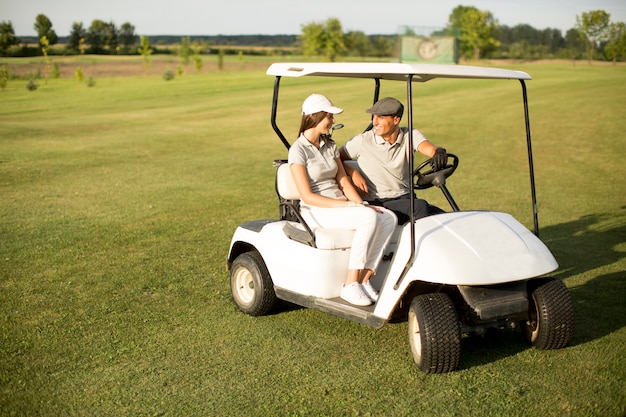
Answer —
372 230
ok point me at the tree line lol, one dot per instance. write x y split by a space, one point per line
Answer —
479 36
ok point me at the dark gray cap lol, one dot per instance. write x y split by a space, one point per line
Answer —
387 106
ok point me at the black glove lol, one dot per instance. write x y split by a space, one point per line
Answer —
439 159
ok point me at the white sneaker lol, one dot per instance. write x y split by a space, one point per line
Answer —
369 290
354 294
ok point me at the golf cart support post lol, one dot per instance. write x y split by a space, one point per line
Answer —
408 73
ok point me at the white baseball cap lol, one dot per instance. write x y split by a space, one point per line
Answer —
316 103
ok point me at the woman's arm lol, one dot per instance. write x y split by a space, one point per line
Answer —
298 172
345 184
357 179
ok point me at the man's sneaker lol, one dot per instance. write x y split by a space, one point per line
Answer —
369 290
354 294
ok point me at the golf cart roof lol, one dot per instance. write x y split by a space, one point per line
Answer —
391 71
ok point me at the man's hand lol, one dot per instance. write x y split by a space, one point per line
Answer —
439 159
359 182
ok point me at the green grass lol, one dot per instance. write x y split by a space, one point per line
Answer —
118 202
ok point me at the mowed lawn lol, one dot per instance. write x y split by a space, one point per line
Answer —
118 202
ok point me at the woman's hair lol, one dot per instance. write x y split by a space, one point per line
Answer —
311 120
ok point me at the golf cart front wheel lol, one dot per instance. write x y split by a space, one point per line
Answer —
251 285
434 333
550 323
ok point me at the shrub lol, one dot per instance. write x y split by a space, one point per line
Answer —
4 77
56 73
31 85
91 82
168 75
78 73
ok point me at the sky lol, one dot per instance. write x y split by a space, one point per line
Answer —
286 17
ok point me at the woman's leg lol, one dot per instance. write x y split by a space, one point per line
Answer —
363 220
385 226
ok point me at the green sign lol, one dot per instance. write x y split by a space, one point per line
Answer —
430 50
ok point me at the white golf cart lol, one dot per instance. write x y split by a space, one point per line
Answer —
454 273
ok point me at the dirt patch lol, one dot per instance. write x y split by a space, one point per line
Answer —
124 67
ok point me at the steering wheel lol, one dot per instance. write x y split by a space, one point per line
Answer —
431 177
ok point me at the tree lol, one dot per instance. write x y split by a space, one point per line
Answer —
184 52
77 37
145 52
96 36
553 39
574 45
476 31
615 48
382 46
127 37
43 27
44 49
311 39
593 28
325 39
197 59
111 37
7 36
358 43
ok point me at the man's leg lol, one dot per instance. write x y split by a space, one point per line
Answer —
402 208
434 210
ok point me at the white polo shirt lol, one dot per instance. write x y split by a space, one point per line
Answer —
320 164
384 166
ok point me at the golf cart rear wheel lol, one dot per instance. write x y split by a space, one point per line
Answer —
434 333
251 285
550 322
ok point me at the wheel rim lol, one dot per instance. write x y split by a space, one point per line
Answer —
244 285
415 337
533 326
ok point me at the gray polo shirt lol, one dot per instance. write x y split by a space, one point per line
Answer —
384 166
320 164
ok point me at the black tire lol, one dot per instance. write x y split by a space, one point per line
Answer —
434 333
251 285
550 323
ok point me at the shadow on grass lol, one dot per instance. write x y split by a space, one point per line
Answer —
587 243
493 346
588 247
284 307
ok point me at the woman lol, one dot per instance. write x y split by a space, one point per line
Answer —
328 198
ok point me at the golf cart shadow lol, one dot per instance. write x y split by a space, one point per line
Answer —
491 347
588 244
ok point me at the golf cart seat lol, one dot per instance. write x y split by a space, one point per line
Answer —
296 228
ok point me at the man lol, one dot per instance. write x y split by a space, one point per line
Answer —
381 152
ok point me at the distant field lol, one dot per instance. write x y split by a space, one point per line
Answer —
124 66
118 203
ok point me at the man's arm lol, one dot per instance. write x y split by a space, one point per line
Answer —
437 153
427 148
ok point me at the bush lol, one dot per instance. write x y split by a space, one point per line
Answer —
78 73
168 75
91 82
4 77
31 85
56 72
